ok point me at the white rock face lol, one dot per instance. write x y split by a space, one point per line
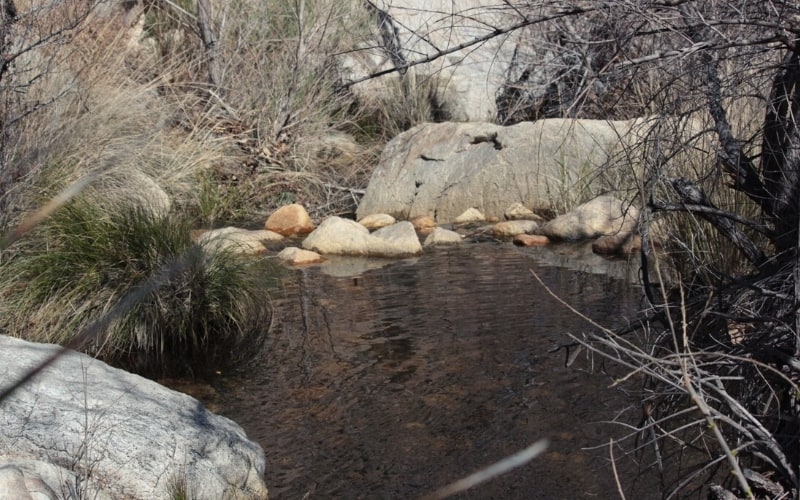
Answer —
468 79
339 236
511 228
442 169
117 433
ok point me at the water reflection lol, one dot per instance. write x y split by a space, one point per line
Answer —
399 379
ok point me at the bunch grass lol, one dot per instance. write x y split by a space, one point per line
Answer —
87 256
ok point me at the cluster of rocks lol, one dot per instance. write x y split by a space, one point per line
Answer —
607 220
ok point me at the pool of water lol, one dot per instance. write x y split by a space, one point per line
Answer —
392 379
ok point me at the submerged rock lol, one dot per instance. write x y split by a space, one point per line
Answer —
531 240
83 424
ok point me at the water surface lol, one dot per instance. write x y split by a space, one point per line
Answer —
403 378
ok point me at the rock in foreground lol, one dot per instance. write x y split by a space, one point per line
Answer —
121 435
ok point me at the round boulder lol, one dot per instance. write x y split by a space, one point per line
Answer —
290 220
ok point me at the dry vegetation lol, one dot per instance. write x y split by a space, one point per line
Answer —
251 113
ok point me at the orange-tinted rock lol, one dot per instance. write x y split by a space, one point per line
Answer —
531 240
423 224
298 257
617 244
290 220
377 221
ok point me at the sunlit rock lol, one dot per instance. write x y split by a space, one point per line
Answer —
377 221
518 211
424 224
339 236
237 240
441 236
470 215
299 257
602 216
290 220
442 169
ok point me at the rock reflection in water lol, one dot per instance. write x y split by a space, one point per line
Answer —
395 382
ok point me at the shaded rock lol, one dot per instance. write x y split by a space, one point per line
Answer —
470 215
617 244
134 437
346 237
290 220
237 240
441 236
446 168
377 221
511 228
531 240
424 224
604 215
298 257
518 211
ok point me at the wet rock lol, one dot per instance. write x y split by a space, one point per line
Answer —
237 240
531 240
340 236
424 224
299 257
441 236
446 168
470 215
604 215
617 244
290 220
518 211
81 423
512 228
377 221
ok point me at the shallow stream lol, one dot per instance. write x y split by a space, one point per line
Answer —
393 381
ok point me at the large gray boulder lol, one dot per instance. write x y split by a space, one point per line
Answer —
442 169
82 429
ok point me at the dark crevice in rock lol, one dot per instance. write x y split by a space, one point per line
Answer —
488 138
429 158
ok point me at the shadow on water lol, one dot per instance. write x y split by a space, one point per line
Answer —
394 382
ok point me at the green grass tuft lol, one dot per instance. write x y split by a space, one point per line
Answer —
85 258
